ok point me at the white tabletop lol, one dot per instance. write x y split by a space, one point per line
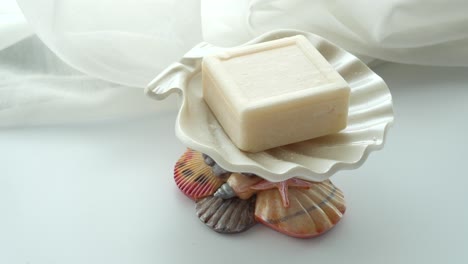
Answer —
104 193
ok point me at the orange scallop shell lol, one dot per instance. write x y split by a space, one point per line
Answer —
194 177
312 211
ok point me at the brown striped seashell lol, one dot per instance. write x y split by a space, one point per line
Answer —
194 177
311 211
241 184
232 215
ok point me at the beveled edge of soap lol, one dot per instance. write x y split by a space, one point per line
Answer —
258 47
177 76
223 79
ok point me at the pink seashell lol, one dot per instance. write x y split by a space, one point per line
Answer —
194 177
311 212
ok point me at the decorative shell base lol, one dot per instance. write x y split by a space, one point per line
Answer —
294 207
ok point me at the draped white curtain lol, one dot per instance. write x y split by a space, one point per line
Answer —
72 60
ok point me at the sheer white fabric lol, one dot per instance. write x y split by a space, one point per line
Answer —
13 26
37 88
428 32
129 42
125 43
122 41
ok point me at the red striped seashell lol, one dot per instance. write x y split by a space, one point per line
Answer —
194 177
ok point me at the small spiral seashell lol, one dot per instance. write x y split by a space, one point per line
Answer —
217 170
208 160
225 192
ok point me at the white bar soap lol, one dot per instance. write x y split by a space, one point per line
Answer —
275 93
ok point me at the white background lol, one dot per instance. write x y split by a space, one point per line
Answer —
103 193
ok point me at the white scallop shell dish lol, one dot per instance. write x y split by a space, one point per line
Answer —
369 117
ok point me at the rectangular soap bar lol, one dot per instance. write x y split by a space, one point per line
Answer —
275 93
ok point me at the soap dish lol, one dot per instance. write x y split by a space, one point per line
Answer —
285 188
369 117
